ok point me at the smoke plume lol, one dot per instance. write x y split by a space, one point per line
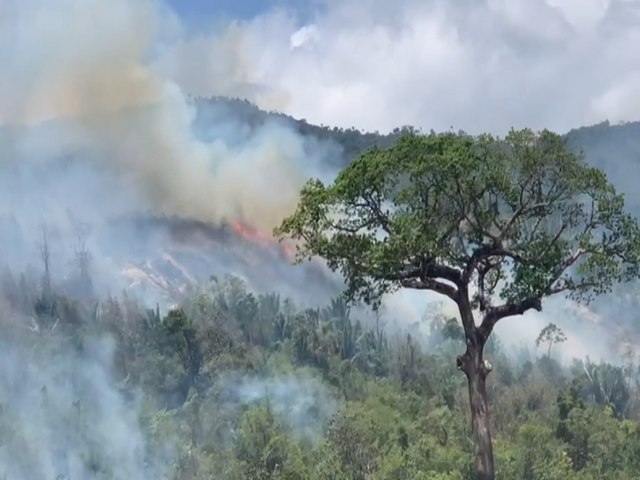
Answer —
62 417
87 88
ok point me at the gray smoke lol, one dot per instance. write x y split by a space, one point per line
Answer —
62 417
300 401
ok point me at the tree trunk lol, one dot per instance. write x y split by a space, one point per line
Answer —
476 373
476 370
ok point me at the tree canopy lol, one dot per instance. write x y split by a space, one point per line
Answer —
509 220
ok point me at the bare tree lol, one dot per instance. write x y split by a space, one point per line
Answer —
45 256
45 305
83 257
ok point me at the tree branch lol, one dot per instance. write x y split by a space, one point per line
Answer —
431 284
484 291
483 252
376 211
425 277
494 314
433 270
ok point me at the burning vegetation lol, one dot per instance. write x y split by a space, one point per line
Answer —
151 326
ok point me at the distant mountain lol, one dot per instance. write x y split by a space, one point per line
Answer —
616 150
613 148
353 142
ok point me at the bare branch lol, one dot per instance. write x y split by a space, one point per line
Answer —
486 251
484 291
520 212
374 206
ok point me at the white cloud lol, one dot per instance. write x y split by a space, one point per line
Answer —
485 65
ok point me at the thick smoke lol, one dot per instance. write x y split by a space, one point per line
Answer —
107 174
92 85
93 135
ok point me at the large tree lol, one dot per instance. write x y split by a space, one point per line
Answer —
494 224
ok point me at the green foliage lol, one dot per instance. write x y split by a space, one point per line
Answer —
551 334
522 211
400 411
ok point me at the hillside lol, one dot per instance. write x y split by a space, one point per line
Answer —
260 371
351 141
614 148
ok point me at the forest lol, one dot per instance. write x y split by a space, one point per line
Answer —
234 383
242 386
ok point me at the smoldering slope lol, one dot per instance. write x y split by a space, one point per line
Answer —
92 138
101 156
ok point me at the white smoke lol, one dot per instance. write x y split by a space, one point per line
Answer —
300 402
84 68
62 417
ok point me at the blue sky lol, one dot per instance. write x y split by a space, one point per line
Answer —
216 8
202 11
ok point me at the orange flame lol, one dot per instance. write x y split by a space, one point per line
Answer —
263 239
249 233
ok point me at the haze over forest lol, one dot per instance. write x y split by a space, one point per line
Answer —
152 327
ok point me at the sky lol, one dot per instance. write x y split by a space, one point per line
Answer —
476 65
231 8
192 10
